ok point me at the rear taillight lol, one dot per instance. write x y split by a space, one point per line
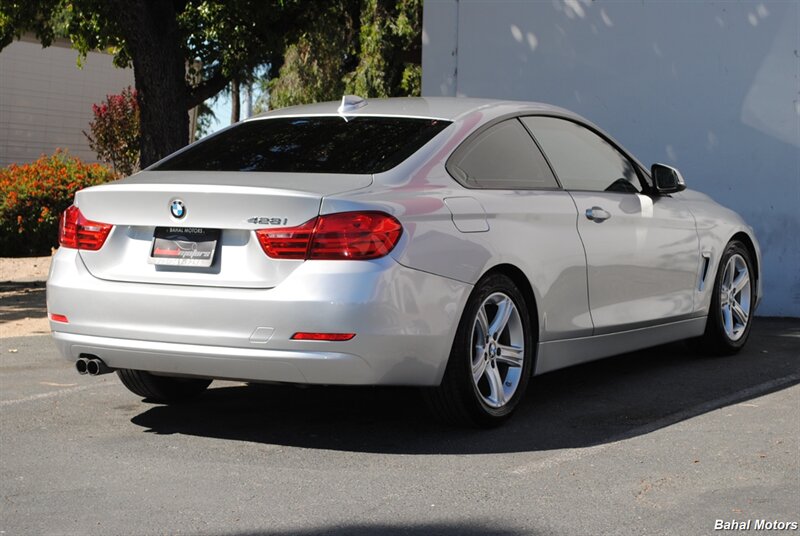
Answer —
288 242
75 231
342 236
354 235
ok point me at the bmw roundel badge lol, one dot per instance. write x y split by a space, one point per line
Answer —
177 208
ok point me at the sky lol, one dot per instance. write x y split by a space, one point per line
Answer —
222 109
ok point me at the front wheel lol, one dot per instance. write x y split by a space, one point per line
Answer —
163 389
491 359
732 303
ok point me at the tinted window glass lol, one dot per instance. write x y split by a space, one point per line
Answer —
503 156
309 145
581 159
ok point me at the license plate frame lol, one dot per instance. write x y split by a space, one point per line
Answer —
184 246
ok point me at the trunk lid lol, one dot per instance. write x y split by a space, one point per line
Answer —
136 206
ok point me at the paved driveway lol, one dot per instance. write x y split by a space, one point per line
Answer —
655 442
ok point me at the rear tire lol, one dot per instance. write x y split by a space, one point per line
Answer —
491 359
732 302
162 389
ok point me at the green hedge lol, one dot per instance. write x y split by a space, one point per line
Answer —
32 196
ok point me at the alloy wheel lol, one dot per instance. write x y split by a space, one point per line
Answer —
735 294
498 350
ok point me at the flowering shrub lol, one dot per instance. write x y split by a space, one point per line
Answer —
115 131
32 196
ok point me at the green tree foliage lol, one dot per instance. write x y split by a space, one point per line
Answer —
390 49
315 65
372 48
159 38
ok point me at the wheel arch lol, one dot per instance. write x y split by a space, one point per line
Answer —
745 239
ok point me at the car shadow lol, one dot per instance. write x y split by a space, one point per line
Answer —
605 401
422 529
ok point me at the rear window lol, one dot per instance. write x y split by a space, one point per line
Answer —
330 144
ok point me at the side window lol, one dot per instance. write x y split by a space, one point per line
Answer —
581 159
505 157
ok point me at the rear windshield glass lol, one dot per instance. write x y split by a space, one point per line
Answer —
329 144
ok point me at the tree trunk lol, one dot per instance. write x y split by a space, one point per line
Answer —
235 101
151 32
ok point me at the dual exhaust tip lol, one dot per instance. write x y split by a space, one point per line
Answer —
94 366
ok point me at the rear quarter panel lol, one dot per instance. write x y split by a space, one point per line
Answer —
533 230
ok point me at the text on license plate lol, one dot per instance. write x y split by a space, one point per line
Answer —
183 246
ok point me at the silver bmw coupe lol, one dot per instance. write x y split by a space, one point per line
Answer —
460 245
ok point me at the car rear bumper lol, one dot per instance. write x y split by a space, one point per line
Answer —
252 364
404 321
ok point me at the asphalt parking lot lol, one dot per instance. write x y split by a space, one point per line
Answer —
656 442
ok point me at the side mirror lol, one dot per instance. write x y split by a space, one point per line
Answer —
667 179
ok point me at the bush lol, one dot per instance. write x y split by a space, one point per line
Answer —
33 196
115 132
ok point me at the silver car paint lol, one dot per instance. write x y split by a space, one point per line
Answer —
404 319
136 206
643 260
405 307
716 226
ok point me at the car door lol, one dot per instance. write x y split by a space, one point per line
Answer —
529 223
641 250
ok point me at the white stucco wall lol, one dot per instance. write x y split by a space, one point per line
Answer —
46 100
710 87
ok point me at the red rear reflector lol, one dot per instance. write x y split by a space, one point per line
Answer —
304 336
59 318
75 231
342 236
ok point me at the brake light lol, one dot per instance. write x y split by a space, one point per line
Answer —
341 236
75 231
354 235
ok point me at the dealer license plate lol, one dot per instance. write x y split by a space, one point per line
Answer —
184 246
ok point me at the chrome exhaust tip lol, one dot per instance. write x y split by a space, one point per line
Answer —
96 366
82 365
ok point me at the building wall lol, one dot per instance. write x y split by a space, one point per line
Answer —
46 99
712 88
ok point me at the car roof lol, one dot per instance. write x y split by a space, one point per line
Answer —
447 108
474 111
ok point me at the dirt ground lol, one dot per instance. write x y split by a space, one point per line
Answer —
23 308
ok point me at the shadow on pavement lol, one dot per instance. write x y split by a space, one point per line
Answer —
444 529
591 404
22 300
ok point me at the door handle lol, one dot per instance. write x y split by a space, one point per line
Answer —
597 214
